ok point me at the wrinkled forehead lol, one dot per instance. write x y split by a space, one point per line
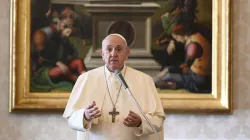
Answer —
114 39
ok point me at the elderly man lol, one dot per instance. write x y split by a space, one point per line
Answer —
100 109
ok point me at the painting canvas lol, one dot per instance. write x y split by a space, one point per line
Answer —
182 45
61 36
174 41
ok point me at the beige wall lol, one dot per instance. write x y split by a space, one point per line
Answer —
53 127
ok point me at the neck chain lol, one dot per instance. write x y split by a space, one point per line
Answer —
114 103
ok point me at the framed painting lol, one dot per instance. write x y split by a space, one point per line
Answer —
185 45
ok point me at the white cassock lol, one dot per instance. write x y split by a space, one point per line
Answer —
92 86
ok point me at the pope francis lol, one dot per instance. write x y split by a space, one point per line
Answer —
99 107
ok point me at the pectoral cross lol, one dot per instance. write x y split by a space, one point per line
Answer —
113 113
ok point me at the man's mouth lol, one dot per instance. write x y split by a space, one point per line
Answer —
113 60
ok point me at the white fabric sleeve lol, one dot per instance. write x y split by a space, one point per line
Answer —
156 115
138 130
145 129
77 121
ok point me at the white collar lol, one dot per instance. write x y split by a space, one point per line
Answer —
109 73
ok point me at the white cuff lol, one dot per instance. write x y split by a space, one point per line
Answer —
78 122
139 130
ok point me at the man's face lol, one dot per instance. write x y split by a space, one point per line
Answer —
114 52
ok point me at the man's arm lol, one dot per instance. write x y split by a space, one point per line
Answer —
145 129
78 122
156 115
81 120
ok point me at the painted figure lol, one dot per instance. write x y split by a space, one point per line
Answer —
195 73
55 61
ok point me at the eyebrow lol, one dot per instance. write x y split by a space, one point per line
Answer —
115 46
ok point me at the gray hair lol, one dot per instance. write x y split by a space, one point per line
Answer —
115 34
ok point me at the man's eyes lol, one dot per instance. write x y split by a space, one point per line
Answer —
117 49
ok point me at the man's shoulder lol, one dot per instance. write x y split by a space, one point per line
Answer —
138 73
94 72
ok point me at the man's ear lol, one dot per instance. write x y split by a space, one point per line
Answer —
101 52
128 52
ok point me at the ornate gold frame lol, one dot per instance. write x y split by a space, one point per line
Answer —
220 101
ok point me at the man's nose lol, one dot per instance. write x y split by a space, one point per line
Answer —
114 52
